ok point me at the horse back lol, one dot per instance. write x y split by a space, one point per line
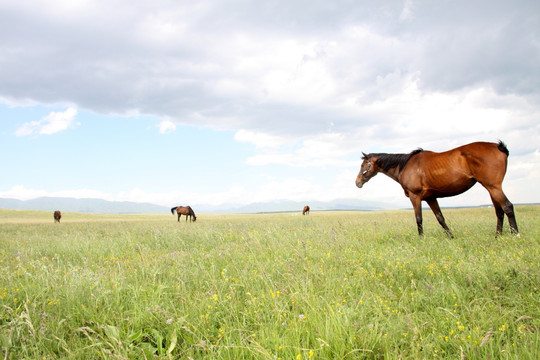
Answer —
183 210
470 159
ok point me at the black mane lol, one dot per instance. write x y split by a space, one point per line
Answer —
390 161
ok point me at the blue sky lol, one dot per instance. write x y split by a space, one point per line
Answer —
234 102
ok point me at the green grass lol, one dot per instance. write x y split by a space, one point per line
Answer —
331 285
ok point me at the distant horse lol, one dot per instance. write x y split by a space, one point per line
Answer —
57 216
184 210
306 210
426 175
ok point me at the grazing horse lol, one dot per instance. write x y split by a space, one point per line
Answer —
184 210
57 216
306 210
427 175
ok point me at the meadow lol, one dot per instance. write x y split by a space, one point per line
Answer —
330 285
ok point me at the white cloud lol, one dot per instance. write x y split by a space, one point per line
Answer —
403 121
166 127
288 188
316 151
261 140
50 124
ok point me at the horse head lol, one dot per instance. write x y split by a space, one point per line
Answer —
367 170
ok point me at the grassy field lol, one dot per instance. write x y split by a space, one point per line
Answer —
331 285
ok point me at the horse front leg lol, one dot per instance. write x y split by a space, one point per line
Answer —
434 205
417 206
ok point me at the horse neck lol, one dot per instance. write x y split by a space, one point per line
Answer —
392 164
392 173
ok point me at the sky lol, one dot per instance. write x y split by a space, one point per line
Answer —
235 102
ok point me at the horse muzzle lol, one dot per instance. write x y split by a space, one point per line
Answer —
359 182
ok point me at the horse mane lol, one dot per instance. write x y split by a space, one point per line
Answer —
390 161
191 212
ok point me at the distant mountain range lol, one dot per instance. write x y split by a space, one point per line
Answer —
287 206
126 207
82 205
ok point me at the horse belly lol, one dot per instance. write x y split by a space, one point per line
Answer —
433 175
449 189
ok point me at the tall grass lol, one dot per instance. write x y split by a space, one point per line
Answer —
331 285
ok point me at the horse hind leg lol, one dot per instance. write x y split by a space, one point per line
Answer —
511 218
434 205
503 206
499 212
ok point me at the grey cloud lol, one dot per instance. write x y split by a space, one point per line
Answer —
468 43
107 57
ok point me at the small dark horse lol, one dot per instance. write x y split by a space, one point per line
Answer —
184 210
57 216
306 210
426 175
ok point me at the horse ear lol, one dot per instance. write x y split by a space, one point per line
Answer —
365 155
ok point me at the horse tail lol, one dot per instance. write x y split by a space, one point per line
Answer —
502 147
172 210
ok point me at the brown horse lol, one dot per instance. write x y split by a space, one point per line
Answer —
306 210
184 210
426 175
57 216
